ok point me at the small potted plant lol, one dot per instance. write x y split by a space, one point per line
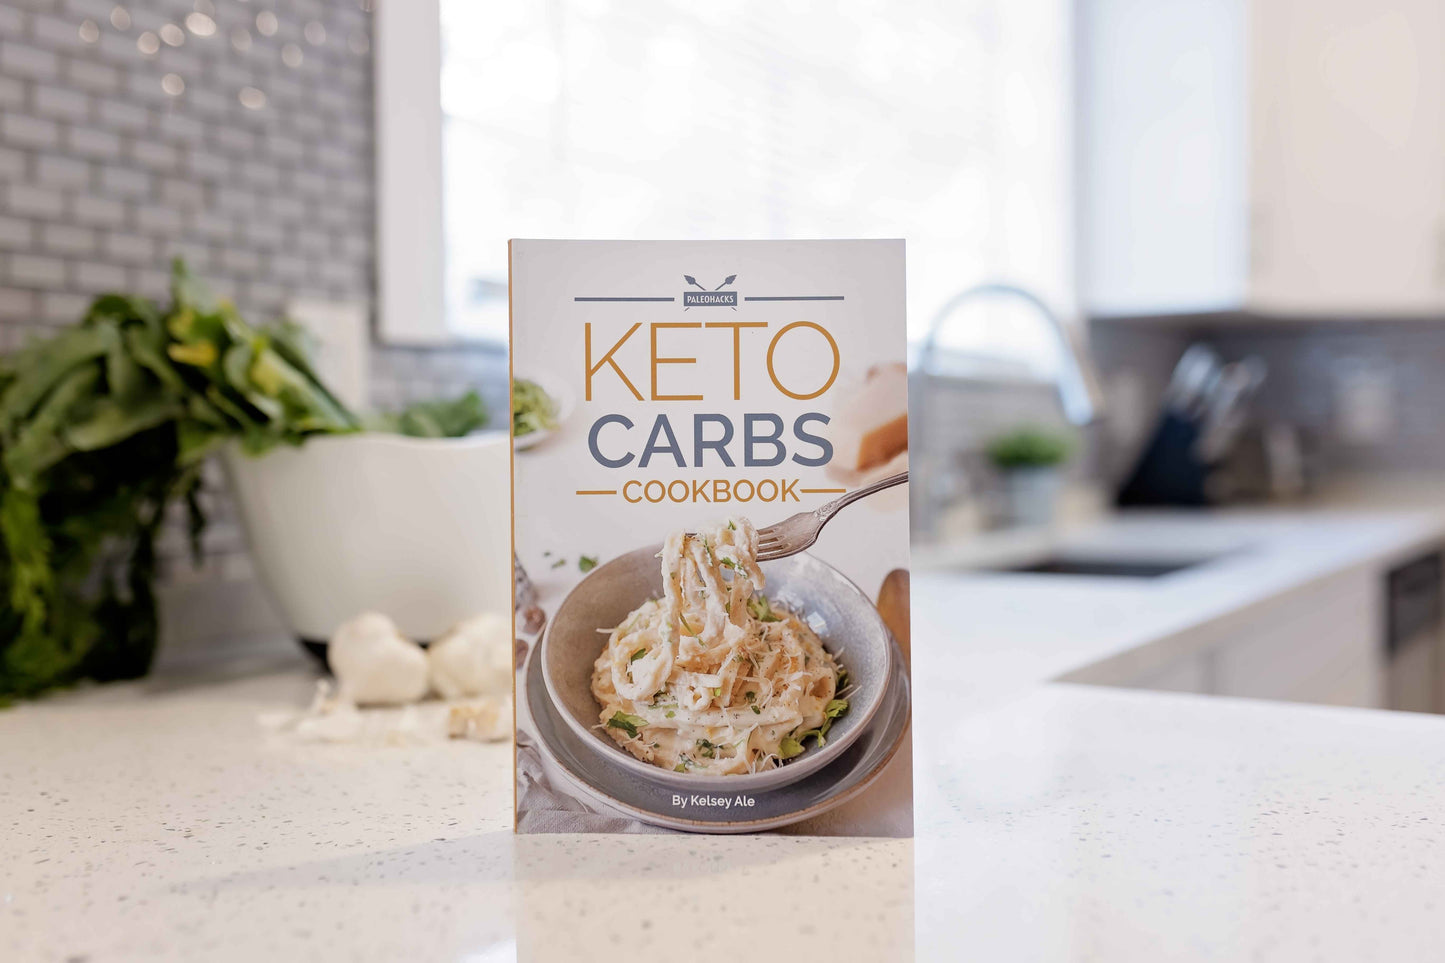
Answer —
1029 460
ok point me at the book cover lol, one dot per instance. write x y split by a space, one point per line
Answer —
710 533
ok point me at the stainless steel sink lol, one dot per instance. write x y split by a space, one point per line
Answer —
1104 567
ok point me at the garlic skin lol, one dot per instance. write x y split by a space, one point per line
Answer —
488 719
473 658
375 664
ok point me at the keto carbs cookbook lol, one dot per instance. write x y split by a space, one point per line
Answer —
710 532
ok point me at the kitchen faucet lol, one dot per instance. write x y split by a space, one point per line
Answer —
1076 381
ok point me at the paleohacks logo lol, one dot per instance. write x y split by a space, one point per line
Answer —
705 297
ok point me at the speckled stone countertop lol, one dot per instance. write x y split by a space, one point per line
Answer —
159 820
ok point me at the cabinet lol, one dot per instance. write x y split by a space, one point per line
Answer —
1320 644
1275 156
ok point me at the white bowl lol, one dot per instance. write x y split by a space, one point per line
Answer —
844 618
416 528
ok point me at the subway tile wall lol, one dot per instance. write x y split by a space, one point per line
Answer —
1307 361
237 135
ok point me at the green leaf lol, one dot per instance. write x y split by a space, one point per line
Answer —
111 420
835 708
760 609
638 654
437 419
586 563
789 748
40 443
42 367
627 723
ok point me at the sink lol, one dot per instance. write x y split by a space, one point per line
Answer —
1106 567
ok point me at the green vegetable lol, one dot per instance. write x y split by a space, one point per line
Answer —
757 711
627 723
819 732
670 713
586 563
436 419
532 408
707 749
1028 448
831 711
102 426
680 767
761 610
559 563
789 748
637 655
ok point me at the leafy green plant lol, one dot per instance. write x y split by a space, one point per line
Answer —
435 419
1028 447
106 424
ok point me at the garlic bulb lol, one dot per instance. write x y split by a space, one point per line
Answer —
374 664
473 658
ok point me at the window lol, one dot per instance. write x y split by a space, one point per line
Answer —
945 123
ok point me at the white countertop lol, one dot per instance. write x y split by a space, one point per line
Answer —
157 819
1023 629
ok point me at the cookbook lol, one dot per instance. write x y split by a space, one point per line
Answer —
710 536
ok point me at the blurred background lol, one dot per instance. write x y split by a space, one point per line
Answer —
1181 257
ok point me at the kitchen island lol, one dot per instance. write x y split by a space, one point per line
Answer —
158 819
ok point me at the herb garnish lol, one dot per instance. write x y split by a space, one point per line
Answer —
586 563
639 654
760 609
627 723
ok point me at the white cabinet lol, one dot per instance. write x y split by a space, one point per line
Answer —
1322 644
1277 156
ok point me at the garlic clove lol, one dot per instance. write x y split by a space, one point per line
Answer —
473 658
375 664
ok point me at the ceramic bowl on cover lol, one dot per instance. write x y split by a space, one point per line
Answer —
843 617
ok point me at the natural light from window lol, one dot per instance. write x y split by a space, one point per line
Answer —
944 123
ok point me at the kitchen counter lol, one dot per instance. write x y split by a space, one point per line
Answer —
1054 821
1009 629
